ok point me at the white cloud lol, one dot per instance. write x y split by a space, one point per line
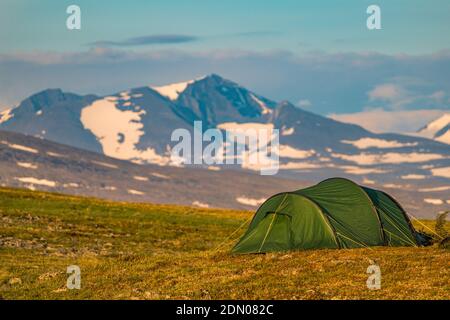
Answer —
309 76
404 92
379 120
395 95
388 91
438 96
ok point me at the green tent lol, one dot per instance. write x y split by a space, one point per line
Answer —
336 213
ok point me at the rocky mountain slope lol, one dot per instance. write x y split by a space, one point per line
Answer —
137 125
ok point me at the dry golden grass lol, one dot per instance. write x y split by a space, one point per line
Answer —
143 251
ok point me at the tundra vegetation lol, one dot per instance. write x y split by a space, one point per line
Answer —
146 251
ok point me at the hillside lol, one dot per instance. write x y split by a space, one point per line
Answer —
38 164
137 124
146 251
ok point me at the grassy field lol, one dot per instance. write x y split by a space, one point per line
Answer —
144 251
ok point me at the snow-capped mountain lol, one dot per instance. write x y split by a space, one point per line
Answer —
215 100
438 129
137 125
55 115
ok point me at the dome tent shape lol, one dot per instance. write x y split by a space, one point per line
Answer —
336 213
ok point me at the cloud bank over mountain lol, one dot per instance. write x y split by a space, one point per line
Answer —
331 83
380 120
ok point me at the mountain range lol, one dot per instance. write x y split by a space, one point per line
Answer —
137 124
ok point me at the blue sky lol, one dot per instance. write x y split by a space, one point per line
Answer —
409 26
317 54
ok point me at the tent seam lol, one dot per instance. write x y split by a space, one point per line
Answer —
378 215
408 221
372 205
271 223
324 217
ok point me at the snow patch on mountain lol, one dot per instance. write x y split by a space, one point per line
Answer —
32 180
434 126
250 201
365 143
160 175
285 151
264 108
388 158
56 155
242 133
435 189
438 129
200 204
140 178
71 185
436 202
135 192
287 131
237 128
172 91
298 166
5 115
441 172
118 131
393 186
368 181
27 165
105 164
445 138
125 95
254 158
19 147
413 177
358 170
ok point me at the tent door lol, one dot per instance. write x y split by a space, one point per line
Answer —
276 232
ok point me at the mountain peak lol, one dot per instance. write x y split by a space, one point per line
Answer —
173 90
438 129
436 125
45 98
47 93
214 77
214 100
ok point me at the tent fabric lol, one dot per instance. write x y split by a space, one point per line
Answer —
336 213
396 225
